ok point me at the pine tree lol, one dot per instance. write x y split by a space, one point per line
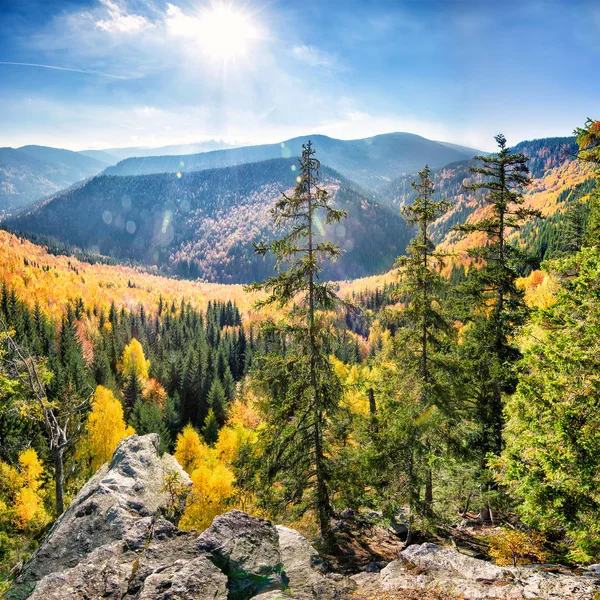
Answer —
495 305
210 431
147 417
423 287
551 459
217 401
301 387
588 140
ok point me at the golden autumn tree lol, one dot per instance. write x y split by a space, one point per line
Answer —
189 449
22 500
212 487
105 428
134 362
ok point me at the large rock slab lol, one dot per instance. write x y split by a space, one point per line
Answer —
118 503
112 543
431 567
305 573
246 549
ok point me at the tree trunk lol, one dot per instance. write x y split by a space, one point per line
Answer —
428 500
372 409
59 477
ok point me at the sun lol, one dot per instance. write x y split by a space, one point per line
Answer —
225 33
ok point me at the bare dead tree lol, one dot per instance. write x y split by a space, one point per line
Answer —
61 426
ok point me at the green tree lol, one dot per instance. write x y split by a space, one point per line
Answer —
302 389
147 417
495 306
551 459
588 139
217 401
210 431
426 325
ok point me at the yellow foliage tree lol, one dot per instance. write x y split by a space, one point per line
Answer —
154 392
105 428
31 468
23 501
190 450
210 470
212 487
243 411
513 547
231 439
133 361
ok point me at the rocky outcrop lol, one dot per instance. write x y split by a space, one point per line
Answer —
113 543
430 567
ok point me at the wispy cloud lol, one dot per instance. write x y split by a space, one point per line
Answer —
315 57
57 68
120 21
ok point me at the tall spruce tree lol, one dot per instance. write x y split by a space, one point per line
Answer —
302 389
495 305
422 286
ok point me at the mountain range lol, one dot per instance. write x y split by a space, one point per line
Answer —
554 173
113 155
202 224
199 221
370 162
29 173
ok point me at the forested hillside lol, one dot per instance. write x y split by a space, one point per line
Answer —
370 162
553 169
203 224
33 172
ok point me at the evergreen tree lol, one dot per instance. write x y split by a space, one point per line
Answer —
147 417
302 390
210 431
217 401
588 140
495 305
422 286
551 459
132 392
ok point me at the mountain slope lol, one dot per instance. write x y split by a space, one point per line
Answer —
553 170
370 162
203 224
102 156
32 172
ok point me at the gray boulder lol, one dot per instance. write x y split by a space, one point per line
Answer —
118 503
246 549
430 567
113 543
304 571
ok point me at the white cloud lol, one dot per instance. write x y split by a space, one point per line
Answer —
313 56
120 21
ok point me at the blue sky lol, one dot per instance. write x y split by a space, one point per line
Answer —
151 72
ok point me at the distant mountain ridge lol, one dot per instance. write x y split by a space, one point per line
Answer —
171 149
370 162
202 224
32 172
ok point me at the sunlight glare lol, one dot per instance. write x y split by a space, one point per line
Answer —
225 32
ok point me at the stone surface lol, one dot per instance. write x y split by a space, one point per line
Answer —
117 503
113 543
304 572
430 567
246 549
